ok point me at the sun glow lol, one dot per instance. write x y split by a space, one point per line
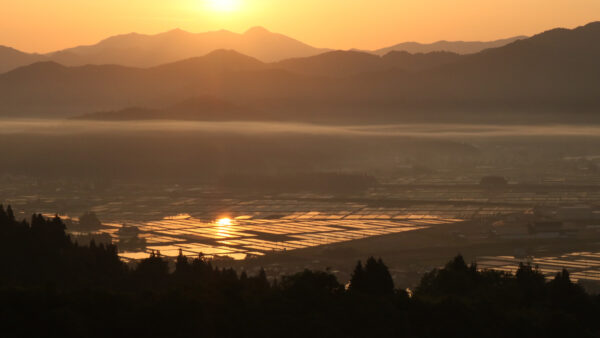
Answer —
223 5
224 222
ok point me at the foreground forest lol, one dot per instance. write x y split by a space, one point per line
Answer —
50 286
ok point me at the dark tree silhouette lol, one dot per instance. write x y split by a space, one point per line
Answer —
89 221
373 279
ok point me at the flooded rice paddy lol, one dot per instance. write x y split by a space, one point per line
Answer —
241 237
584 266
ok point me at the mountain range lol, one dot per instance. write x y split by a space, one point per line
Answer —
141 50
458 47
555 72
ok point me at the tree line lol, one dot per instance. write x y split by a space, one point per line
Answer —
51 286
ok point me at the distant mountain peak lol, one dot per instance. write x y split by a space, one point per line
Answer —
121 36
226 53
214 62
36 69
257 30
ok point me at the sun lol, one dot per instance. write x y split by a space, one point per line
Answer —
223 5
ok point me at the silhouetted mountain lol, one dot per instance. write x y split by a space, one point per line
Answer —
139 50
350 63
553 71
48 87
11 58
215 62
418 62
558 66
458 47
337 63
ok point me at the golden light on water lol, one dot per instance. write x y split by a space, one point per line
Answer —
223 226
224 221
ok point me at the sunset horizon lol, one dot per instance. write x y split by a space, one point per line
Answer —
315 168
331 24
243 31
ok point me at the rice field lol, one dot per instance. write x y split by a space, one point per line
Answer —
581 265
241 237
260 226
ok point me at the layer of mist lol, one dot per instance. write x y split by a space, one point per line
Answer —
422 130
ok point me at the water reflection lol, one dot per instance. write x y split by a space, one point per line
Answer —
223 228
224 221
237 237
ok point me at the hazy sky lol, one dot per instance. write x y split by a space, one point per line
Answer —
46 25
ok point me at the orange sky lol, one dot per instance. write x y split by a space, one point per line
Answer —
46 25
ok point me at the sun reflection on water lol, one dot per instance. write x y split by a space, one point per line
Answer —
224 221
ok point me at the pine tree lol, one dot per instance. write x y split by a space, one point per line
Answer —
10 215
374 278
181 265
357 281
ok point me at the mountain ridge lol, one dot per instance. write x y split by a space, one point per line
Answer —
11 58
149 50
553 71
143 50
458 47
